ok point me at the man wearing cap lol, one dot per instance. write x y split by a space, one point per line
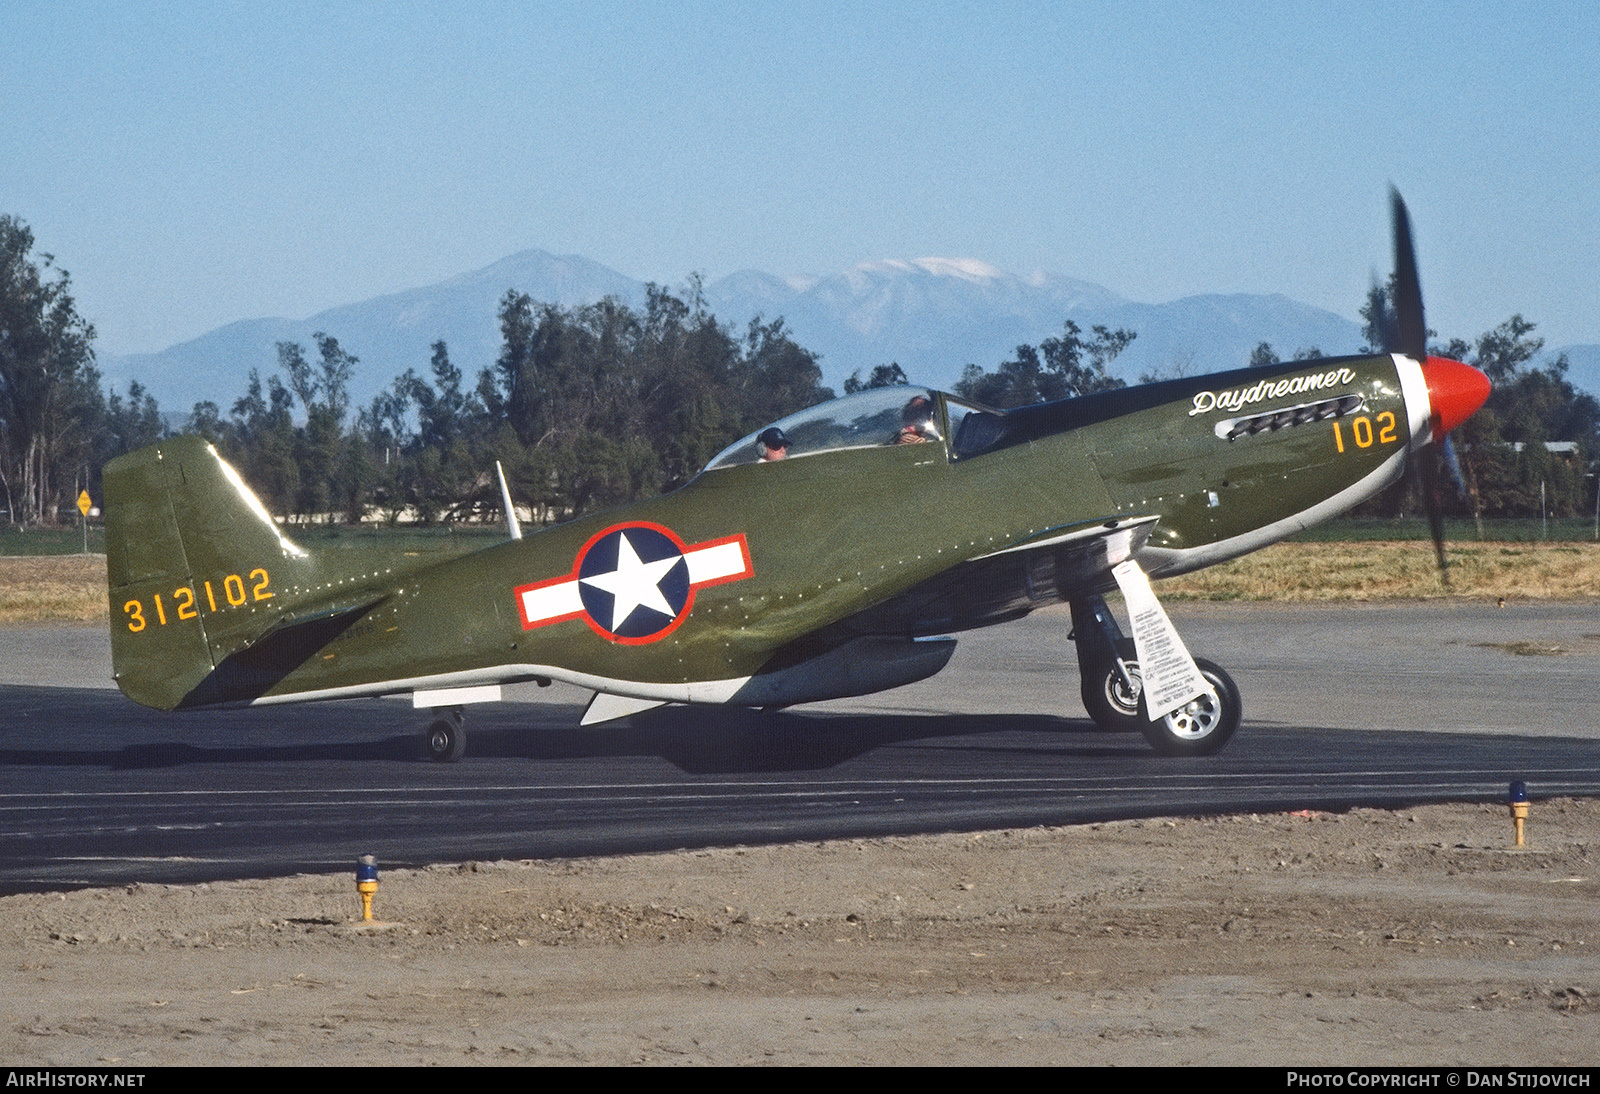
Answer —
772 444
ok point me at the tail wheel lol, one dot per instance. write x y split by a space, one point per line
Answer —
445 741
1112 704
1201 726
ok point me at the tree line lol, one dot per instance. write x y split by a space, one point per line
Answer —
595 405
585 408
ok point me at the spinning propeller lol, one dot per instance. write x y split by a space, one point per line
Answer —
1455 390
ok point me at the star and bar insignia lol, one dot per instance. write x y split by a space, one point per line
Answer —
634 583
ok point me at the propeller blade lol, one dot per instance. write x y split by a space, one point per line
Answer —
1455 390
1411 334
1427 463
1452 464
1410 338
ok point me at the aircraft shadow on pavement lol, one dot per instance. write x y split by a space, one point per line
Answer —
710 740
99 729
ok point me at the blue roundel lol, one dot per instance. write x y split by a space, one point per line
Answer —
634 582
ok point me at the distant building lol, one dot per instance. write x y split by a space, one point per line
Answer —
1559 448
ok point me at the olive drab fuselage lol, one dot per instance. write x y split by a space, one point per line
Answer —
752 565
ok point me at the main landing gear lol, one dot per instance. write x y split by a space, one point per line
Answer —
445 741
1113 689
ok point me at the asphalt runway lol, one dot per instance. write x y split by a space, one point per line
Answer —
1345 705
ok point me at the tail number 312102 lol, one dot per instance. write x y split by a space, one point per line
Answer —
186 602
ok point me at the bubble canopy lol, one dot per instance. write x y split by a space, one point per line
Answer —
867 419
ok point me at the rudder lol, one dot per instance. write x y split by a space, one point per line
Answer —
195 565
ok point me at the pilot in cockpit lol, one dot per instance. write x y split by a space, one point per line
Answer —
773 444
918 419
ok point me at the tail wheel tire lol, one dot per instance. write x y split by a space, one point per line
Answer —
1112 704
445 741
1201 726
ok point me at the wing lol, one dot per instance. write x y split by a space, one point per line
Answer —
1048 567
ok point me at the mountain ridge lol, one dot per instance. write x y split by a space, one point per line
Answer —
933 316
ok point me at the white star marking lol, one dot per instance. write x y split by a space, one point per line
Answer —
634 583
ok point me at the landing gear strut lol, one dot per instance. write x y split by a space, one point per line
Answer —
445 741
1108 667
1112 687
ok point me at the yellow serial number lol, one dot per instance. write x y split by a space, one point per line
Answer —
233 591
1365 433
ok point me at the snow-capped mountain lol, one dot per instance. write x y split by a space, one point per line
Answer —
932 316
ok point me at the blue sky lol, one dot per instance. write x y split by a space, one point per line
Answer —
194 164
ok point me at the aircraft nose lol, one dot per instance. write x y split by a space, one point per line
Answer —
1455 391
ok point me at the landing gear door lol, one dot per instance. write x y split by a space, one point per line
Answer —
1171 677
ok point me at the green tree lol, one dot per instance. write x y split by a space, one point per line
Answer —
687 364
383 429
1504 447
448 457
49 388
330 466
586 407
569 386
608 403
775 377
1501 354
1063 367
890 375
205 420
1264 355
132 424
260 441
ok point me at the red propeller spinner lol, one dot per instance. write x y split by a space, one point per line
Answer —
1455 392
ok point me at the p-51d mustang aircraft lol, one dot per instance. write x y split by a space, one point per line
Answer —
829 555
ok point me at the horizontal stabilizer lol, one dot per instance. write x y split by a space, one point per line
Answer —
251 671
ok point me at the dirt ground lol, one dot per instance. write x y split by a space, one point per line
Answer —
1418 937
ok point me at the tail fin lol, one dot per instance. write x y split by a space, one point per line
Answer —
196 567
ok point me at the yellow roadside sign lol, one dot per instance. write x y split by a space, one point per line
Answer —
84 503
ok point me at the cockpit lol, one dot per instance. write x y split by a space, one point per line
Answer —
871 419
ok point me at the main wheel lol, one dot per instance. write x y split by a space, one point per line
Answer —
1201 726
445 741
1106 696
